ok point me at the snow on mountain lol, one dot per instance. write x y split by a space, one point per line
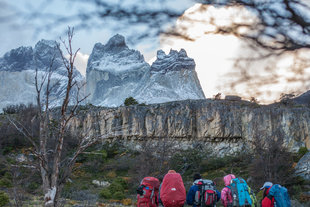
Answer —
17 74
115 72
172 77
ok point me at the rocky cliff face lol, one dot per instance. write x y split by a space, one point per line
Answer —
17 74
303 98
303 166
222 126
115 72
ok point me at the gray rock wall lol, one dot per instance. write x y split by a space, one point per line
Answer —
221 125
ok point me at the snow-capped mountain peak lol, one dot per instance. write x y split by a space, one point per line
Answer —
17 73
115 72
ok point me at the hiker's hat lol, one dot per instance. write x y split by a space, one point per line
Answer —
266 185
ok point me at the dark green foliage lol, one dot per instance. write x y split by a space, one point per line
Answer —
302 151
115 190
6 183
10 138
4 198
121 181
115 187
130 101
105 193
14 109
118 195
32 187
187 161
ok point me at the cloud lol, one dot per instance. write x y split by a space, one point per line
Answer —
81 62
217 56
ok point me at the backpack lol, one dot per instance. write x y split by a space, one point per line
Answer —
253 197
172 192
206 194
147 192
240 193
280 195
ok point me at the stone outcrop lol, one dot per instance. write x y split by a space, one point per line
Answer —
221 125
303 166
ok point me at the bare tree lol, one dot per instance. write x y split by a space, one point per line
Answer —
282 25
272 161
153 158
48 147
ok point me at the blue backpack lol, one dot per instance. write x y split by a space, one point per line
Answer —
280 195
240 192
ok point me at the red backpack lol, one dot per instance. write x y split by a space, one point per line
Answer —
172 191
206 194
147 192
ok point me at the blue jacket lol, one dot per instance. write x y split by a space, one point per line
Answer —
190 198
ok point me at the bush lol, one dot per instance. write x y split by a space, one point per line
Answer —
118 195
4 198
5 182
31 187
116 187
130 101
302 151
122 182
272 162
105 193
187 161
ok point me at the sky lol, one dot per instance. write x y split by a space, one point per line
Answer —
215 55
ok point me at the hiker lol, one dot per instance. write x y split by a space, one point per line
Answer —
275 195
267 202
234 193
172 191
226 197
202 187
147 192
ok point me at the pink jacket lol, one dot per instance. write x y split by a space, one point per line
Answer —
226 197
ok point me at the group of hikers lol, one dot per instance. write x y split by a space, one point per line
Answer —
203 193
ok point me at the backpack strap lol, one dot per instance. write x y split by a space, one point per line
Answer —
152 194
269 196
227 198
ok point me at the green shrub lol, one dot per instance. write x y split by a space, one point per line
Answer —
116 187
302 151
122 182
187 159
130 101
118 195
5 182
105 193
31 187
4 198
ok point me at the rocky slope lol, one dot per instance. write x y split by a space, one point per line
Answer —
17 73
222 126
115 72
303 98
